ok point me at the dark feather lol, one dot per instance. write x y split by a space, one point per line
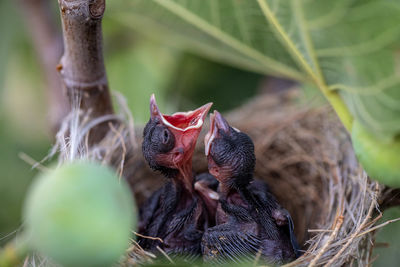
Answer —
240 213
292 236
181 218
148 209
226 242
253 221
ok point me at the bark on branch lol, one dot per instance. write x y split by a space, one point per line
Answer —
82 65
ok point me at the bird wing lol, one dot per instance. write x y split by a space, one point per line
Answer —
157 210
241 214
181 218
293 239
278 214
148 209
226 242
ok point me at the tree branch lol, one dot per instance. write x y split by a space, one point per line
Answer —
82 65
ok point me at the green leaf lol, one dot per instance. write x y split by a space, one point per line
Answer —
202 25
347 48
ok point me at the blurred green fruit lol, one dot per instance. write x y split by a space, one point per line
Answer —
80 214
380 160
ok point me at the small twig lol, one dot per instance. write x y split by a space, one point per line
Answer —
257 258
122 104
26 262
136 254
382 245
370 250
35 164
354 235
378 226
148 237
165 255
139 247
377 218
123 154
370 263
332 236
319 230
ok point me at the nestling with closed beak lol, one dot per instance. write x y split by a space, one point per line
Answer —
249 220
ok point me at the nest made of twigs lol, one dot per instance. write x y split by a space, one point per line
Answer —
305 156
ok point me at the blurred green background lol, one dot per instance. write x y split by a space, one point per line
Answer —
136 66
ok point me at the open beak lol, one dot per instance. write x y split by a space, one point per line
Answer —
181 121
185 126
217 123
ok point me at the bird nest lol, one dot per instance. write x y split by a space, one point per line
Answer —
305 156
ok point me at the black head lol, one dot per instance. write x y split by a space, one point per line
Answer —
169 140
158 141
230 153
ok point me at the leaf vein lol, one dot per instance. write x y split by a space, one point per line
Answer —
334 99
225 38
270 16
240 20
374 44
331 18
367 90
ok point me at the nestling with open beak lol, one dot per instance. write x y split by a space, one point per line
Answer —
248 218
176 213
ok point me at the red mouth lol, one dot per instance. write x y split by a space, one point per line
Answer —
181 121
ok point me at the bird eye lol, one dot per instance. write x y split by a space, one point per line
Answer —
165 136
162 139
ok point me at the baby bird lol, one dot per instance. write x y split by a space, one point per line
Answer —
249 221
175 213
